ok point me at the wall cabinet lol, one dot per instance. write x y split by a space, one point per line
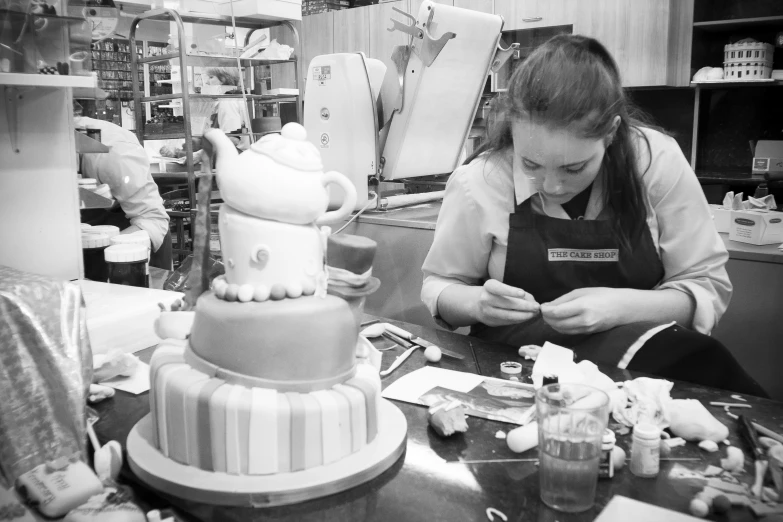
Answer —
536 13
485 6
352 30
318 30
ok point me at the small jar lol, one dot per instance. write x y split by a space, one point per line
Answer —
127 265
88 183
141 237
511 370
606 463
645 451
106 229
94 244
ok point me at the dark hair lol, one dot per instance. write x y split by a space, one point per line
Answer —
572 82
225 75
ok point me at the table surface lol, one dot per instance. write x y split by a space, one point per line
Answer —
458 478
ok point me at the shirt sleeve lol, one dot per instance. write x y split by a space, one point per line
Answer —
125 168
693 254
461 246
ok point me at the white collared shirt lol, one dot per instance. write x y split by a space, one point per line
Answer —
126 169
471 234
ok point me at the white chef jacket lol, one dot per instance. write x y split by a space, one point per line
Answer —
126 169
231 118
471 234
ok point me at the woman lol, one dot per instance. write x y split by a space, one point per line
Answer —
576 225
230 115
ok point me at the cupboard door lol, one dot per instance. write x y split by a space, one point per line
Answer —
485 6
531 14
636 33
319 38
352 30
383 42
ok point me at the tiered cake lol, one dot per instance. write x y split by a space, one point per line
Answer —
268 381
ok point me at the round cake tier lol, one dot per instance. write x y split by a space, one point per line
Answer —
263 253
213 425
302 344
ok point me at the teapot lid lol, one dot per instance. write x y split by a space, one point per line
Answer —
291 148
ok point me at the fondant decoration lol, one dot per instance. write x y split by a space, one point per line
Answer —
523 438
174 325
113 364
689 419
303 341
699 508
447 418
279 178
618 458
529 351
433 354
708 445
734 461
107 460
277 293
56 487
112 505
349 262
245 293
239 430
767 442
374 330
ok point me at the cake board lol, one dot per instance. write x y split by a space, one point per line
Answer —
207 487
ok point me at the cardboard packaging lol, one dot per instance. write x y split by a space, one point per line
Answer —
768 157
757 227
722 217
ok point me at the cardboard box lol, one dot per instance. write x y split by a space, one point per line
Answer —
756 227
768 157
722 218
264 9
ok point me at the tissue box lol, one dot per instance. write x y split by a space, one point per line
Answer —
768 157
756 227
722 217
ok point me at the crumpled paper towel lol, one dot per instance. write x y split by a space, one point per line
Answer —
644 400
275 51
45 371
733 201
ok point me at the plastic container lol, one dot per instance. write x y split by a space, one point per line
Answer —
128 264
94 243
137 238
606 463
106 229
646 451
88 183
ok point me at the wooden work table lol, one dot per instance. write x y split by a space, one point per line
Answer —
442 479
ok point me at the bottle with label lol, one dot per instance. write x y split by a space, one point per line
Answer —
645 451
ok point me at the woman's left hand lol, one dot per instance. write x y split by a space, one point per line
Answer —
583 311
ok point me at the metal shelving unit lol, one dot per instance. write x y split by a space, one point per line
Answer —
194 60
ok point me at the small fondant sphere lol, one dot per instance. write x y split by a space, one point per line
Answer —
294 290
245 293
220 291
721 504
433 354
308 287
618 458
261 293
232 291
699 508
277 292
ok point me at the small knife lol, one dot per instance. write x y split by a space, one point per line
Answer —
419 341
399 360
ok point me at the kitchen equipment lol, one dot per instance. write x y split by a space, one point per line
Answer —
396 330
412 117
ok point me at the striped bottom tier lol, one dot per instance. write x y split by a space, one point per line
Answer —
206 422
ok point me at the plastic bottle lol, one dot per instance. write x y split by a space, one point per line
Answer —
761 191
606 463
645 451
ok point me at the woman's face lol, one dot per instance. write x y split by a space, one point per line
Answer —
560 163
213 80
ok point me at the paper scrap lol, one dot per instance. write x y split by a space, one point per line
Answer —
137 383
622 508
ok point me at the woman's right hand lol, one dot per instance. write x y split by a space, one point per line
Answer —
500 304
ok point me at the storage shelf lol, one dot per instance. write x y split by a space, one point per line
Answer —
178 96
206 60
739 23
181 135
722 84
47 80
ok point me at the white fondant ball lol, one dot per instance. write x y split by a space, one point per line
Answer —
277 292
261 293
294 290
232 292
433 354
308 287
699 508
523 438
220 290
245 293
618 458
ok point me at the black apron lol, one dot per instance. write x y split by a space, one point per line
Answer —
549 257
115 216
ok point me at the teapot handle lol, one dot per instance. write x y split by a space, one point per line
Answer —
349 202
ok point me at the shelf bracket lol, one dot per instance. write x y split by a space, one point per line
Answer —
11 97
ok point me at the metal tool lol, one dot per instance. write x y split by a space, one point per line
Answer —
761 463
407 336
399 360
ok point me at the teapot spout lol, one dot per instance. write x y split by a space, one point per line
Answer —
226 152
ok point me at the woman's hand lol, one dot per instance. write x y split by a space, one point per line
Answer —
583 311
500 304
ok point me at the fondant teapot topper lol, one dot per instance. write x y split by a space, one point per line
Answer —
280 177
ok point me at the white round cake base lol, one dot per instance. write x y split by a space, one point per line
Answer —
208 487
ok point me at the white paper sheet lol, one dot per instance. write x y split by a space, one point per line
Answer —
137 383
622 509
